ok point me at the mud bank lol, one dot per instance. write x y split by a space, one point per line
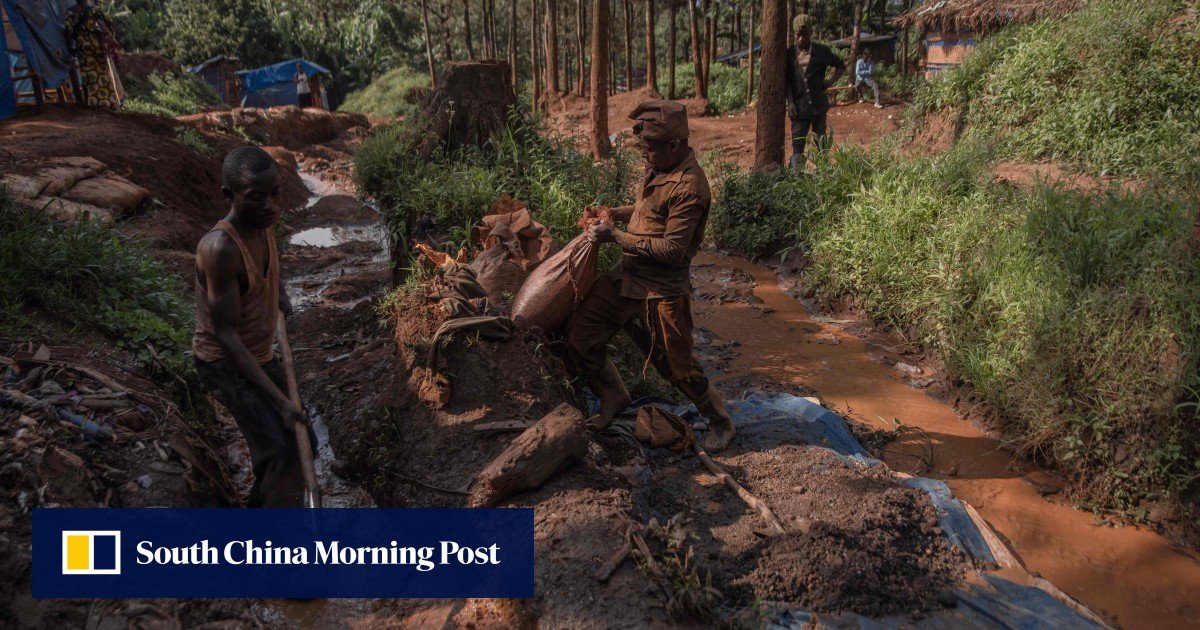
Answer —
1134 576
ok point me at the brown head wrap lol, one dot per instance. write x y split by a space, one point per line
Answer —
660 121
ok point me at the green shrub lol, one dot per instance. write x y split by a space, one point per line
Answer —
1112 88
174 95
89 275
388 96
726 87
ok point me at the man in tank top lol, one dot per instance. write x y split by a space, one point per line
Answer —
238 298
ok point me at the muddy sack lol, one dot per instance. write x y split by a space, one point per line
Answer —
557 286
498 274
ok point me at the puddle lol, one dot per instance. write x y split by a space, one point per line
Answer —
317 188
1134 576
333 236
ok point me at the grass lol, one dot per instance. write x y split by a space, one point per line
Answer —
174 95
1132 73
89 275
726 89
1077 317
389 96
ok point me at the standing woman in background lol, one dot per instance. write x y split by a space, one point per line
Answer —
94 44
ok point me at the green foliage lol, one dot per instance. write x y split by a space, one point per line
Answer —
726 88
1112 88
196 31
89 275
195 140
455 189
389 96
174 95
1077 317
137 22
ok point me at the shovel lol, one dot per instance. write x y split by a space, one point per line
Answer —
312 486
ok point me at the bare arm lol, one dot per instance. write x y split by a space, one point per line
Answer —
220 260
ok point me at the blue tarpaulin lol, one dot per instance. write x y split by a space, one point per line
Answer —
41 44
275 84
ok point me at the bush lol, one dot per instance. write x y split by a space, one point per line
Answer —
1076 317
389 96
88 274
726 88
174 95
1112 88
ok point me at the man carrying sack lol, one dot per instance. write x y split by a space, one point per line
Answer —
651 284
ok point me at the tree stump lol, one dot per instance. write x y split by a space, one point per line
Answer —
558 439
470 105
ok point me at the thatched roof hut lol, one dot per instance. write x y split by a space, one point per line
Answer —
981 16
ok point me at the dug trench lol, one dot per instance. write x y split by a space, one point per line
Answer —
874 550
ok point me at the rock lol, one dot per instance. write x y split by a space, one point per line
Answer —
557 440
908 368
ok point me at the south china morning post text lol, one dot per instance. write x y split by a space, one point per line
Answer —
240 552
349 552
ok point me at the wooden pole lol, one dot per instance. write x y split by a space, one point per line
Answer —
758 504
750 57
514 56
303 444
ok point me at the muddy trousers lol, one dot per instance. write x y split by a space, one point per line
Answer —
818 125
274 456
665 334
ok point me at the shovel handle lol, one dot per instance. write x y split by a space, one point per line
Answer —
312 485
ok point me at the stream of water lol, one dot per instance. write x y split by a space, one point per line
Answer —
1132 575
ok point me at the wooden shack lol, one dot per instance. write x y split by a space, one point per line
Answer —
882 47
221 74
953 27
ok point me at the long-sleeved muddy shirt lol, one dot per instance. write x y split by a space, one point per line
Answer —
665 231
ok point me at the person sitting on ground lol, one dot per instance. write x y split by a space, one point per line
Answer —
864 70
808 102
651 284
238 299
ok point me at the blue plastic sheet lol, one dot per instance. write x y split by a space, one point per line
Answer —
40 26
8 95
284 71
984 600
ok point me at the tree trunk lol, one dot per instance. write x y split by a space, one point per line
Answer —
750 58
706 37
536 69
859 6
735 33
580 30
599 79
672 57
552 45
467 28
904 69
710 53
428 43
697 52
513 55
483 26
651 62
628 46
567 50
769 130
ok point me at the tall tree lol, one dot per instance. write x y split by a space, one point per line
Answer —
672 57
428 43
628 15
552 45
735 33
535 67
580 8
513 56
772 101
651 62
599 80
697 52
467 28
750 57
859 7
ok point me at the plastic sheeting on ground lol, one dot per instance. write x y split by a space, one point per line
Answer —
985 600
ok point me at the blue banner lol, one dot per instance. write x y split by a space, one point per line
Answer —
361 552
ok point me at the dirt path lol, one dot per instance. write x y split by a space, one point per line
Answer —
729 136
1134 576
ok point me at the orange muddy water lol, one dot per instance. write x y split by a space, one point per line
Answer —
1134 577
